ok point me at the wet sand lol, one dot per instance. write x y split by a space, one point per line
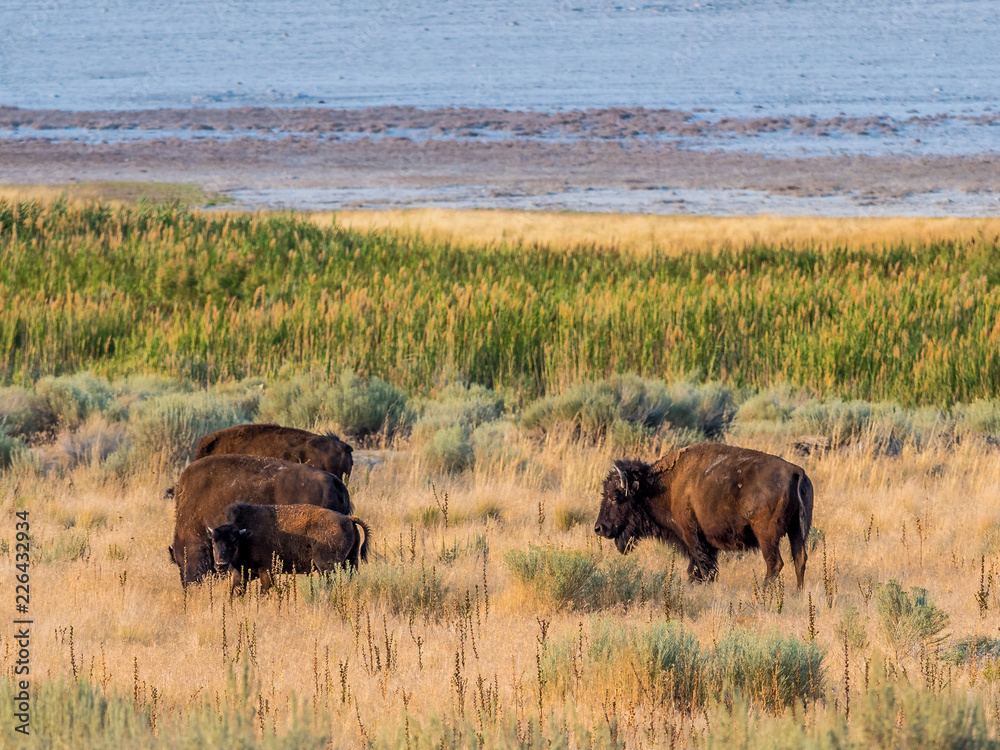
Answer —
538 154
612 123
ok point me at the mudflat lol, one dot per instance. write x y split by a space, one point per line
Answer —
617 159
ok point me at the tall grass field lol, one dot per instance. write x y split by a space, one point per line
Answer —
211 298
487 387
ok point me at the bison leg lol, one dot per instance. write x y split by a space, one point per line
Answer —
266 581
798 554
239 585
704 565
772 555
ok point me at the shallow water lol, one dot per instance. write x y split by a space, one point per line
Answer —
737 57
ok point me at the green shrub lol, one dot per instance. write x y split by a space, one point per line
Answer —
494 443
620 581
25 415
358 407
589 409
483 510
658 650
579 580
851 630
906 620
10 447
426 516
136 388
773 405
639 406
841 421
664 656
629 437
981 417
565 518
706 408
67 546
73 398
449 449
400 587
557 576
444 432
79 715
82 716
888 716
460 404
897 715
92 443
770 669
974 648
169 427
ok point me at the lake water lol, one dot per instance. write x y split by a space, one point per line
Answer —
736 57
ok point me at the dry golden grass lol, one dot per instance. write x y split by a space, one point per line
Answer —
117 616
672 234
111 193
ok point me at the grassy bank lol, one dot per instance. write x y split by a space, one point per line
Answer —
643 233
212 298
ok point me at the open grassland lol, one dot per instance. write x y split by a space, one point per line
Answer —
641 233
210 298
490 615
482 386
111 193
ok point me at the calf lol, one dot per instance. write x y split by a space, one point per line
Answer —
292 538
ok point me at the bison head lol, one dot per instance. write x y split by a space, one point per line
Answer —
623 515
226 541
192 560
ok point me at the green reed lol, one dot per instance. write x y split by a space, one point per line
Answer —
214 297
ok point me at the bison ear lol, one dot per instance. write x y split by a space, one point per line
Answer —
208 531
245 533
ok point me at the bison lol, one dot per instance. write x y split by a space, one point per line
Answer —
710 497
210 485
301 537
326 452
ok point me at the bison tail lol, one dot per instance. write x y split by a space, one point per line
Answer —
360 552
805 497
168 494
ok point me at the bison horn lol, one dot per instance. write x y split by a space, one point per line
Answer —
622 478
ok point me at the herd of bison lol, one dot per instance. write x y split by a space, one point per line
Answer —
261 497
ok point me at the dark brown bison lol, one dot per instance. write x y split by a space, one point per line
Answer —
710 497
326 452
211 484
301 537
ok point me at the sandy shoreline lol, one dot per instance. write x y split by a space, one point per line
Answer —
608 153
